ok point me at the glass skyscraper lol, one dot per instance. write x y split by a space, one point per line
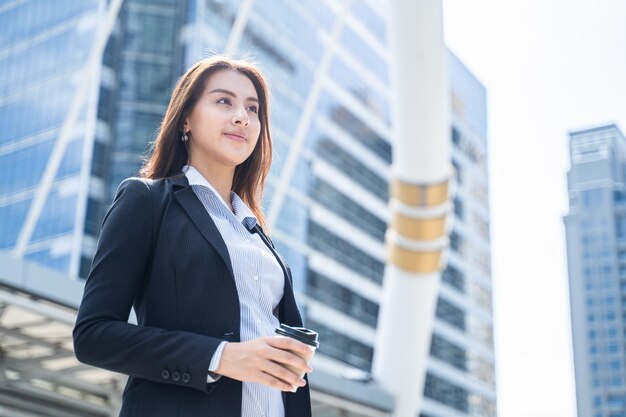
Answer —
327 63
596 254
44 49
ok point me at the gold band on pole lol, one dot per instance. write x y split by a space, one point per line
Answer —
422 195
414 261
419 229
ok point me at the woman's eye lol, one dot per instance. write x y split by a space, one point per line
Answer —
254 109
223 100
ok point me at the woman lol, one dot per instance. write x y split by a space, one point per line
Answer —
185 246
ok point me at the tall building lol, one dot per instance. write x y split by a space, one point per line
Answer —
461 369
44 50
596 255
327 63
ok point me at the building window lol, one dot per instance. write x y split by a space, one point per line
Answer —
456 136
592 198
451 314
362 91
614 401
448 352
456 242
98 159
341 347
353 168
442 391
93 217
325 194
458 208
345 253
85 266
343 299
454 278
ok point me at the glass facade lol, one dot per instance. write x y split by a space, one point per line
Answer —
595 231
141 63
44 49
330 99
461 371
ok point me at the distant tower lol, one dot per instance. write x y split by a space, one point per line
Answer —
596 255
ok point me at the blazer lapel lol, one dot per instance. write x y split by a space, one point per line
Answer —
199 216
287 311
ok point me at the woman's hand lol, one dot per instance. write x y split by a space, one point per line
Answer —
262 359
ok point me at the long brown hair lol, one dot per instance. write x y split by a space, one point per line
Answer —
170 154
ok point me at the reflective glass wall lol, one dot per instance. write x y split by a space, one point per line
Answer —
140 65
44 48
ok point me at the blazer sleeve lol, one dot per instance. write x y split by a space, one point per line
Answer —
102 335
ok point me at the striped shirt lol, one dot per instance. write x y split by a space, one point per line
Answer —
260 284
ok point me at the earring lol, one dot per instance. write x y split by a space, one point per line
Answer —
184 137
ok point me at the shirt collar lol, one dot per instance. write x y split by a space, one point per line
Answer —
242 212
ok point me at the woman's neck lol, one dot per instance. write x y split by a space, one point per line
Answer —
221 179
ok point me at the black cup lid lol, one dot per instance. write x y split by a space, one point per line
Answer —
301 334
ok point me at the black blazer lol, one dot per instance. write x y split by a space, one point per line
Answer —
160 252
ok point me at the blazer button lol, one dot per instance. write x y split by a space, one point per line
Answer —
165 374
186 377
175 376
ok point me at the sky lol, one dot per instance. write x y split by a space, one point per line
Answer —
549 67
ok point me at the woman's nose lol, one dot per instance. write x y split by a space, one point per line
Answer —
241 116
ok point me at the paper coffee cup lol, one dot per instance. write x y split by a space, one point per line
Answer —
301 334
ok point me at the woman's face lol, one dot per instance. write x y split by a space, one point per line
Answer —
224 126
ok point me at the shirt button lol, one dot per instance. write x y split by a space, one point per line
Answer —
256 277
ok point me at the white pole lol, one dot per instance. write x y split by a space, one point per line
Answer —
417 235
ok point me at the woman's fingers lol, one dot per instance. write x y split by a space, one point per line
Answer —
287 379
274 382
287 343
288 358
260 360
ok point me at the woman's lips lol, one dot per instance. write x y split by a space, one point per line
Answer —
235 137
